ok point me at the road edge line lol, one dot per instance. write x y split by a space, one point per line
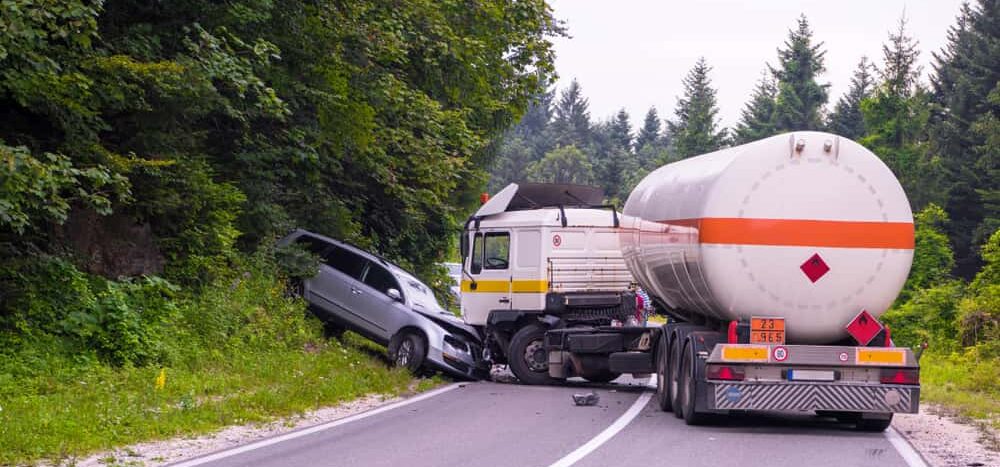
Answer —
904 448
609 432
313 429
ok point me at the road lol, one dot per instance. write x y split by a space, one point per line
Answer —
496 424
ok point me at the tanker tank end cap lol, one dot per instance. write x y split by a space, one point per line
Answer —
586 399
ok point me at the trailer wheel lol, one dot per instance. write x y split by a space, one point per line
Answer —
872 425
527 356
673 377
663 375
689 391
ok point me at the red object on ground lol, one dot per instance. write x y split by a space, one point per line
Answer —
864 327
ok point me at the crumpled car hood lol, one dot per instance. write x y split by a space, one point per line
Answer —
451 323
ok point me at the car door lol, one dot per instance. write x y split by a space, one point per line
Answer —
335 287
384 314
489 268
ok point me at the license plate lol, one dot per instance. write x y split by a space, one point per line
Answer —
811 375
767 330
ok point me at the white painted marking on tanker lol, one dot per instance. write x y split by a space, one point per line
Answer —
903 447
313 429
609 432
780 353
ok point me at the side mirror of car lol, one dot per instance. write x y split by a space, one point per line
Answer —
395 295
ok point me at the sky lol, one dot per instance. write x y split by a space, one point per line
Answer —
634 53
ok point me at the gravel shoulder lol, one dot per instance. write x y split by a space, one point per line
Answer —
945 441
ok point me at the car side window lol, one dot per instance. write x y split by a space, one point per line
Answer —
497 250
379 278
346 261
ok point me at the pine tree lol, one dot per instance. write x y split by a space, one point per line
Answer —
757 117
621 131
846 119
800 98
900 72
695 131
572 118
650 131
966 72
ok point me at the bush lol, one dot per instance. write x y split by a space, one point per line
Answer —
928 316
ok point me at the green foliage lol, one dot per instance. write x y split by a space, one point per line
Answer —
695 131
799 101
928 316
565 164
933 259
847 118
757 117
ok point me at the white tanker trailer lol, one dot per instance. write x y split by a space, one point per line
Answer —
773 260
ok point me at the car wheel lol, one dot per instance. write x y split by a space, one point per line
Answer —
528 358
689 391
673 377
663 375
410 353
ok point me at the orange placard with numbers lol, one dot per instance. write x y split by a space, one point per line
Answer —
767 330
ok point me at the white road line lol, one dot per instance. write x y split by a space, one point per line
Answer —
313 429
904 448
610 431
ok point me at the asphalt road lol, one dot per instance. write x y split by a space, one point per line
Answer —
495 424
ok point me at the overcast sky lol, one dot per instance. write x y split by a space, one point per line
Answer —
633 53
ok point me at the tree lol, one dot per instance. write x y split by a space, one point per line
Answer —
847 119
757 116
800 98
966 71
572 118
621 131
650 131
900 71
565 164
695 130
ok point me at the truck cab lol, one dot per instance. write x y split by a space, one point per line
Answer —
539 257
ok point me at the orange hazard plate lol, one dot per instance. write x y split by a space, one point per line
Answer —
767 330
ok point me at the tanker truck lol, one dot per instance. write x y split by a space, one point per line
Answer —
772 261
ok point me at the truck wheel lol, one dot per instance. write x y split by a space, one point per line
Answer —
663 375
673 377
529 360
872 425
689 391
410 353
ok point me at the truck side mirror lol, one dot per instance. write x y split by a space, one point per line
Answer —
463 242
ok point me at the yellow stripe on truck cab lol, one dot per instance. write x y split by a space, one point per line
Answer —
504 286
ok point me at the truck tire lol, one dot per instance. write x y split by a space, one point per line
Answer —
662 374
689 390
673 377
872 425
527 356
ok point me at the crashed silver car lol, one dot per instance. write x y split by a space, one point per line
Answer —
367 294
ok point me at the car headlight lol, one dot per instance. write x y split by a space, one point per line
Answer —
455 346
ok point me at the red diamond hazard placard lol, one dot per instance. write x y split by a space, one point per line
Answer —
864 327
815 267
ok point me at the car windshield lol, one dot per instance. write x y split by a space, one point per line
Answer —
420 294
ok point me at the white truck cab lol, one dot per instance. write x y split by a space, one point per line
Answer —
538 257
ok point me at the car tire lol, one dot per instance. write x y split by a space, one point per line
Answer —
663 374
689 390
410 352
529 368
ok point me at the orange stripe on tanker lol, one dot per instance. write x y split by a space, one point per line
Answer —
801 232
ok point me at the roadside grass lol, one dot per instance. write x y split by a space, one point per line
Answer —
968 384
81 410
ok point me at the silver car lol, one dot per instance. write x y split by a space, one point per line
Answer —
367 294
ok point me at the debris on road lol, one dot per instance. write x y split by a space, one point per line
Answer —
586 399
